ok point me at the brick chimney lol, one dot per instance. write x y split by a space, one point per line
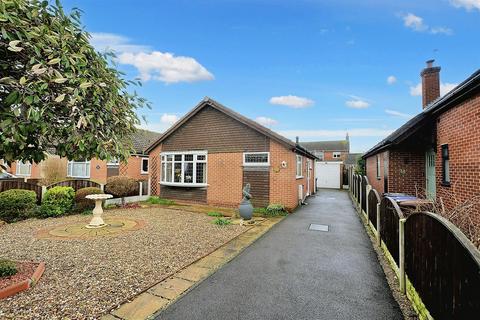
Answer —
430 83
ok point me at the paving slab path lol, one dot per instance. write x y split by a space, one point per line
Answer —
295 273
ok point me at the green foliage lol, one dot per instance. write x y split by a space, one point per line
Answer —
360 167
259 211
121 186
57 201
215 214
222 222
275 209
81 203
7 268
87 212
158 200
17 204
57 91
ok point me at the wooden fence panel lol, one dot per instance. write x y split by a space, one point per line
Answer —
373 199
19 184
75 184
359 184
390 214
363 200
443 266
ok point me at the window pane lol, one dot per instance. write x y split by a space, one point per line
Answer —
168 175
178 157
169 157
256 158
188 172
201 157
447 170
164 175
145 165
177 174
201 170
189 157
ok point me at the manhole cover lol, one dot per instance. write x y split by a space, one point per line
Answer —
318 227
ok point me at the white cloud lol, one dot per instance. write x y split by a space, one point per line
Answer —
265 121
156 65
166 121
444 89
467 4
292 101
363 132
168 118
416 23
357 103
108 41
398 114
166 67
391 79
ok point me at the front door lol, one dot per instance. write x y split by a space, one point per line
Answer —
430 157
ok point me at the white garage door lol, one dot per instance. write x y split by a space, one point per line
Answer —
328 174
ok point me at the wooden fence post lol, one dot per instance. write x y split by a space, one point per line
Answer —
401 253
44 190
102 187
379 240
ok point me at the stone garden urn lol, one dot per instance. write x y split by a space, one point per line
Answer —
97 221
245 208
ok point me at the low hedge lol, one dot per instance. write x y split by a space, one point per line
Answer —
81 203
57 201
7 267
17 204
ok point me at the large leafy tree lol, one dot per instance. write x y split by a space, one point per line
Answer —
56 91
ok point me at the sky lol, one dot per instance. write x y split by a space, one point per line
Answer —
309 68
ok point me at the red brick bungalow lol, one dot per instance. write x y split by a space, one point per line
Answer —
437 153
212 152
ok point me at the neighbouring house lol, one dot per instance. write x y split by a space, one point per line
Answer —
330 163
437 152
211 153
94 169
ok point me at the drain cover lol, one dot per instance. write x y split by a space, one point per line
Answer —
318 227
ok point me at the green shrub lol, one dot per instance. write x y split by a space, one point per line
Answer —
7 268
81 203
17 204
221 222
275 209
259 212
158 200
215 214
87 212
121 187
57 201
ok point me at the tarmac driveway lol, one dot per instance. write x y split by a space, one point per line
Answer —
296 273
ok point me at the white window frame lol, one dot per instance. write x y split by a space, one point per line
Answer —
256 164
141 166
22 164
113 162
378 166
337 155
299 165
70 169
196 153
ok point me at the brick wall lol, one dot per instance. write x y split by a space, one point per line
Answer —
460 129
406 172
328 156
371 167
224 178
98 171
133 168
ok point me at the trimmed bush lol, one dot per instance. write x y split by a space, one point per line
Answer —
17 204
82 203
158 200
57 201
214 214
7 267
121 187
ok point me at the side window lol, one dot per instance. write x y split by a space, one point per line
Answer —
445 165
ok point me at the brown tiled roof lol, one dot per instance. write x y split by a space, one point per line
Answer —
250 123
142 139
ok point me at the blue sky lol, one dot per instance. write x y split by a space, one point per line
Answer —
316 69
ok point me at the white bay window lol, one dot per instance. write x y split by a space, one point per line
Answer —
187 169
